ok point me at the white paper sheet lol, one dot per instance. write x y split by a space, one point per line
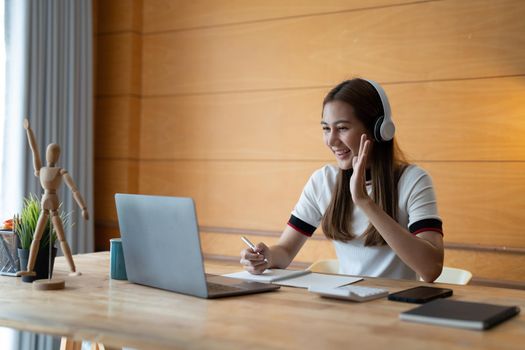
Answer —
296 278
318 280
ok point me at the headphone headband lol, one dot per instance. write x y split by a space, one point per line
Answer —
384 128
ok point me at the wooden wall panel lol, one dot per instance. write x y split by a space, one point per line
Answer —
102 236
118 127
224 244
229 94
113 176
119 64
422 41
445 121
275 125
461 120
488 265
261 195
117 108
163 15
248 195
481 203
119 15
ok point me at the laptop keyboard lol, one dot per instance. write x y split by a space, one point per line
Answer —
217 288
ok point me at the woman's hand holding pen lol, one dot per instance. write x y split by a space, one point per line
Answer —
255 260
358 180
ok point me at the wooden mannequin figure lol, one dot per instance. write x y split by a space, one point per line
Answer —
50 179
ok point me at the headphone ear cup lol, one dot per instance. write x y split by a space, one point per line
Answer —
384 127
377 129
387 130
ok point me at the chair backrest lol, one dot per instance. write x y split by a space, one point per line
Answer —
325 266
453 275
449 275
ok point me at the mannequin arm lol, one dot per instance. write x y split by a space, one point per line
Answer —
76 195
37 163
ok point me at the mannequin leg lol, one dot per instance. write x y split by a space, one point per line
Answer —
35 245
59 228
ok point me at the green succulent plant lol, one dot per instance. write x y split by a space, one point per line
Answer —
25 223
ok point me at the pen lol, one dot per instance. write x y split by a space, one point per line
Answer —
251 245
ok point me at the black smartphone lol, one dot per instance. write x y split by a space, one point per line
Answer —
420 295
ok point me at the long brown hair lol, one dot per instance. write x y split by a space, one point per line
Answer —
387 165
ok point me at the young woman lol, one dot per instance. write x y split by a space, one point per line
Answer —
379 211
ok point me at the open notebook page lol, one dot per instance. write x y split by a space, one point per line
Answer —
296 278
318 280
269 275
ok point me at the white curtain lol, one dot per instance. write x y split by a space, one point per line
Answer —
58 102
11 179
49 79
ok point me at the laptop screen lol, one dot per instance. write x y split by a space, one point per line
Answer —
160 239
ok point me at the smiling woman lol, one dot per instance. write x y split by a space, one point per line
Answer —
379 211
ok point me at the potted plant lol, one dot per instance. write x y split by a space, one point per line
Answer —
25 226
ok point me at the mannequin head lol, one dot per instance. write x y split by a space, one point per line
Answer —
52 154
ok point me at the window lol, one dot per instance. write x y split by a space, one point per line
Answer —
2 104
12 80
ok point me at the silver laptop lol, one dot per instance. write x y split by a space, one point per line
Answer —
160 239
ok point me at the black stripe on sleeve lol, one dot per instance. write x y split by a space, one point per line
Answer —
301 226
426 225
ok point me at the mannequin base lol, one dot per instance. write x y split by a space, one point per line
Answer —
52 284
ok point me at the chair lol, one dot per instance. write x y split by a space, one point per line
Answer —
325 266
453 275
449 275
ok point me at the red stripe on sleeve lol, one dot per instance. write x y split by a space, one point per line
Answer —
299 230
434 229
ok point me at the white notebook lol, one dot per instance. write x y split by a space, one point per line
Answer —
296 278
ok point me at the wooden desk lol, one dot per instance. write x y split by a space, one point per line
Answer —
117 313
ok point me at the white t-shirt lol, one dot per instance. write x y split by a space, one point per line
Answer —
417 211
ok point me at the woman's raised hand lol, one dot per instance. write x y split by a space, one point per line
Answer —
358 181
256 261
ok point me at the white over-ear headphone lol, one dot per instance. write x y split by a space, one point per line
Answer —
384 128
